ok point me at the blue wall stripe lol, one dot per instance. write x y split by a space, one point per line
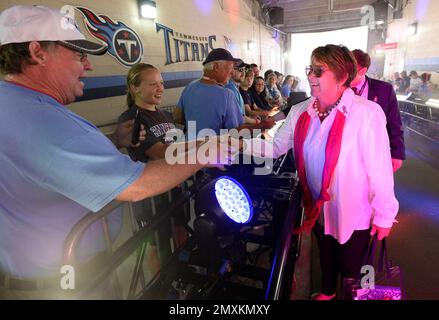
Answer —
113 86
114 91
119 80
100 82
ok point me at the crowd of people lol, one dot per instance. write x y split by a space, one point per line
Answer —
421 85
55 165
231 94
347 142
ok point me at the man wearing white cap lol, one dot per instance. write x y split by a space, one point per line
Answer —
54 165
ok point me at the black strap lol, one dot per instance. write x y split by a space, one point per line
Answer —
360 92
369 257
384 259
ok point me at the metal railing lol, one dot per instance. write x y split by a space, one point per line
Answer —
421 119
421 125
279 282
113 258
286 252
170 109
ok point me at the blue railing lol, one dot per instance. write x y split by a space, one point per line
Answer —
421 125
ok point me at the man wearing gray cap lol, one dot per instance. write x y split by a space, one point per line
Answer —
55 166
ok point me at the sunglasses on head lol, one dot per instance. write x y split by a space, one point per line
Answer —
318 71
242 69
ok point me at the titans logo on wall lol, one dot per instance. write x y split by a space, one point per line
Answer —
123 42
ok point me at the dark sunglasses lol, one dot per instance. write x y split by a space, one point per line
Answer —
318 71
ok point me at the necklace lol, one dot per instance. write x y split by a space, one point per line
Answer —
328 111
208 79
205 78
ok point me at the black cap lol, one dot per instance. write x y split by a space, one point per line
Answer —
220 54
86 46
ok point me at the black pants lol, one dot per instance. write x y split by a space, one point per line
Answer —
335 258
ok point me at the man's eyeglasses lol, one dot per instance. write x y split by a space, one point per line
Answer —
242 69
82 56
318 71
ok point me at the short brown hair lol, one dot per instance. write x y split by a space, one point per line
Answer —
339 59
363 58
14 55
425 77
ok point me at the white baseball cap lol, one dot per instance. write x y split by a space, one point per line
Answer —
20 24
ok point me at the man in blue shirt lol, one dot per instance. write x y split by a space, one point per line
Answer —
238 74
54 165
206 103
237 77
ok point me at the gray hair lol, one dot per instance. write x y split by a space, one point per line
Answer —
209 66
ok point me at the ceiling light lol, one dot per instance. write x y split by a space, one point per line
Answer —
412 29
148 9
251 45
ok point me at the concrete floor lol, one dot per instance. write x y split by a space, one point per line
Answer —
414 243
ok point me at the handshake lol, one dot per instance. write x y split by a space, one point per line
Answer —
217 151
213 151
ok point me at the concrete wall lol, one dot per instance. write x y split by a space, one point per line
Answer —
232 22
418 52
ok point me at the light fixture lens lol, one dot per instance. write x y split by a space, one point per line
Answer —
233 199
148 11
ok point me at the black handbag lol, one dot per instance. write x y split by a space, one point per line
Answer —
387 284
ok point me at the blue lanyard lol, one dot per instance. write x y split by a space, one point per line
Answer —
272 92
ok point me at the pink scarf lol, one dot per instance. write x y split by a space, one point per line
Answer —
332 152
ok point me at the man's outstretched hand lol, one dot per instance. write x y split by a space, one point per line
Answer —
218 151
